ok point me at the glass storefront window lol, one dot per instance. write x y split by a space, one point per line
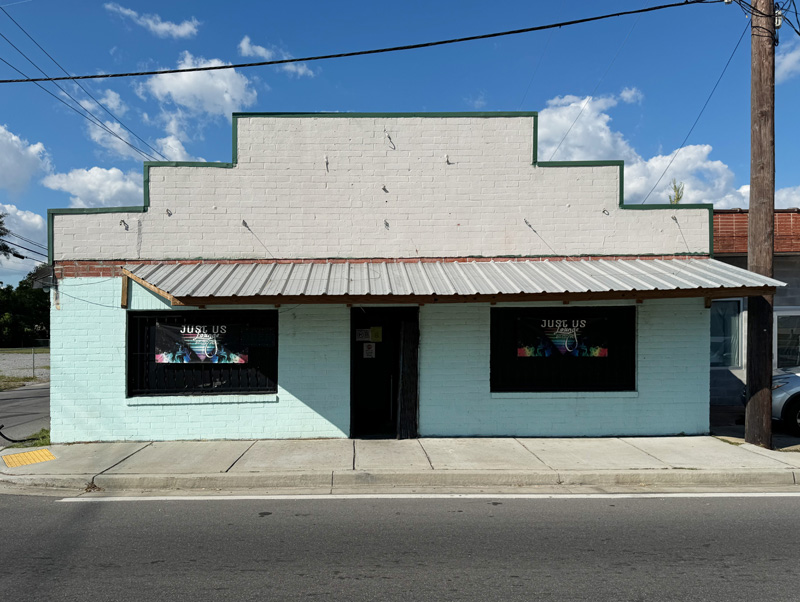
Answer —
563 349
725 333
788 338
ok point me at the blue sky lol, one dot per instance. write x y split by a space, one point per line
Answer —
637 82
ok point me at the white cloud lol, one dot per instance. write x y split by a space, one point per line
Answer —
114 103
787 61
98 187
30 225
154 24
172 148
591 137
247 48
476 102
114 144
20 161
631 95
212 92
786 198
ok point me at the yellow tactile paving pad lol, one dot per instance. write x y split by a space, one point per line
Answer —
31 457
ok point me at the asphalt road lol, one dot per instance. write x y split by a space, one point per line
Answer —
454 549
24 411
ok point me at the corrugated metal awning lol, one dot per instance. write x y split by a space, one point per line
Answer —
425 281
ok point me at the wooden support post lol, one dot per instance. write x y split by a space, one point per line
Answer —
124 302
760 231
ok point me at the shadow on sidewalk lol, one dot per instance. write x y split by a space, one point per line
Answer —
728 422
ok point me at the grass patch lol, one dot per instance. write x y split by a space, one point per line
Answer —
729 441
12 382
36 351
40 439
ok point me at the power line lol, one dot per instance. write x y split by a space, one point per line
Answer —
691 129
365 52
96 121
536 69
599 81
101 105
21 247
33 242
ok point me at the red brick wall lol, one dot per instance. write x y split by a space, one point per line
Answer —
730 232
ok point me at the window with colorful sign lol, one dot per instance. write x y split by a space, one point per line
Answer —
202 352
563 349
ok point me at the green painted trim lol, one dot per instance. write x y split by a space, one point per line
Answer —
51 213
220 164
486 114
648 207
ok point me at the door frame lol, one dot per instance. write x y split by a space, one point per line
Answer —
405 396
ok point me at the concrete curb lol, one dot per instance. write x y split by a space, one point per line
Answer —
80 482
679 476
256 480
364 480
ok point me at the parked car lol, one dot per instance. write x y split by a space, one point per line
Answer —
786 399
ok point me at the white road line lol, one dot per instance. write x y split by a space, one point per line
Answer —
428 496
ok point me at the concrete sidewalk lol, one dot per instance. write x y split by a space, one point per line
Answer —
345 465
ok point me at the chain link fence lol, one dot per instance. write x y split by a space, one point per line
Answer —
24 364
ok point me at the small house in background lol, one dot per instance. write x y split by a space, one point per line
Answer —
383 275
729 316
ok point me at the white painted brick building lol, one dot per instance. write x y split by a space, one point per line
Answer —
382 275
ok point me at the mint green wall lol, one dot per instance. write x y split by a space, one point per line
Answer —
672 379
88 400
87 396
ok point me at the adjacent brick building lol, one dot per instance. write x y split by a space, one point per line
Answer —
729 316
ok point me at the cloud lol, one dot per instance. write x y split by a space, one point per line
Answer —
154 24
787 61
98 187
631 95
247 48
786 198
30 225
585 122
115 144
113 102
20 161
706 180
210 92
172 148
478 102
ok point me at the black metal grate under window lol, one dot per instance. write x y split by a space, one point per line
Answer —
202 352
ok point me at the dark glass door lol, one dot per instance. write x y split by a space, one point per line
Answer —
379 374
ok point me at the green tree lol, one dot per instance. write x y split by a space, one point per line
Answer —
677 192
5 249
25 314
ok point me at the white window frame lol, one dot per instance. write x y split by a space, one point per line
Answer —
742 324
790 310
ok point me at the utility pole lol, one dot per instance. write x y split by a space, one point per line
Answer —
761 223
